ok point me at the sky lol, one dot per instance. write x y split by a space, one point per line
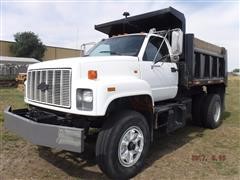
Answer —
71 23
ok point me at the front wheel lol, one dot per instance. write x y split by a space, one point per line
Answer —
122 145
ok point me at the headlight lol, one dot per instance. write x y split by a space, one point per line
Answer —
84 98
87 96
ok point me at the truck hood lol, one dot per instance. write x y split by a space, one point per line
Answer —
104 65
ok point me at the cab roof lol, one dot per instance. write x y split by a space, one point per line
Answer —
168 18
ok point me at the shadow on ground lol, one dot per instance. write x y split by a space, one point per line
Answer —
226 114
84 165
74 164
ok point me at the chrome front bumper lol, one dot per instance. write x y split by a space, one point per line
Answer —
54 136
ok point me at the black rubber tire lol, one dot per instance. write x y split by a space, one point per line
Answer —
197 104
208 111
108 141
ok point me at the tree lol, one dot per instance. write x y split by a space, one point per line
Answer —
28 44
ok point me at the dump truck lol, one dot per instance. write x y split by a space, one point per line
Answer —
148 76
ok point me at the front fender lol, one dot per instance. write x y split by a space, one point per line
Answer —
124 87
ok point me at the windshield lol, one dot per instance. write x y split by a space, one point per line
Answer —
125 45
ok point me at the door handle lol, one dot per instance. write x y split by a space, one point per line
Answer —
154 65
173 69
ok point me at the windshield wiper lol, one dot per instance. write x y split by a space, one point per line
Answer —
111 52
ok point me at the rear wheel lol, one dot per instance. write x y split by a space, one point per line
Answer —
212 110
122 145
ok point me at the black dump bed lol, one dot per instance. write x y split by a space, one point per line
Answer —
204 63
201 63
163 19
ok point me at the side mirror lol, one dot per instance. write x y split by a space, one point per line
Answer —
85 49
177 42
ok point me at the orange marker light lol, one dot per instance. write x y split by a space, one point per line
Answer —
111 89
92 74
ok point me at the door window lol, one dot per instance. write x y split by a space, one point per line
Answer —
152 49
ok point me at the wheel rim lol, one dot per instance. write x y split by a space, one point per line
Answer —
130 146
217 112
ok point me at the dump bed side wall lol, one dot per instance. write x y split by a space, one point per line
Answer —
205 63
203 45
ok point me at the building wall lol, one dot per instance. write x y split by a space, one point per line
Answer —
5 48
50 54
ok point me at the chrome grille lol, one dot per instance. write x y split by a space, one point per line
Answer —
57 83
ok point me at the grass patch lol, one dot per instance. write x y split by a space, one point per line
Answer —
15 98
10 96
232 102
226 170
6 137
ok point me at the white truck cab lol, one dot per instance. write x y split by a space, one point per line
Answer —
136 65
150 78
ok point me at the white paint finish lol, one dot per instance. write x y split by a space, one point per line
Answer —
163 82
125 86
114 71
111 67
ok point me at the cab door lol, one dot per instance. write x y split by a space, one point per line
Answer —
162 76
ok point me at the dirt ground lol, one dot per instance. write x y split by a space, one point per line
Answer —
189 153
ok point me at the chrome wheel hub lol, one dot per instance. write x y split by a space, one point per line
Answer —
217 112
130 146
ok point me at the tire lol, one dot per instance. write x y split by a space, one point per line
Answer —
212 111
115 134
197 109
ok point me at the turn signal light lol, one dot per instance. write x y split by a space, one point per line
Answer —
92 74
111 89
